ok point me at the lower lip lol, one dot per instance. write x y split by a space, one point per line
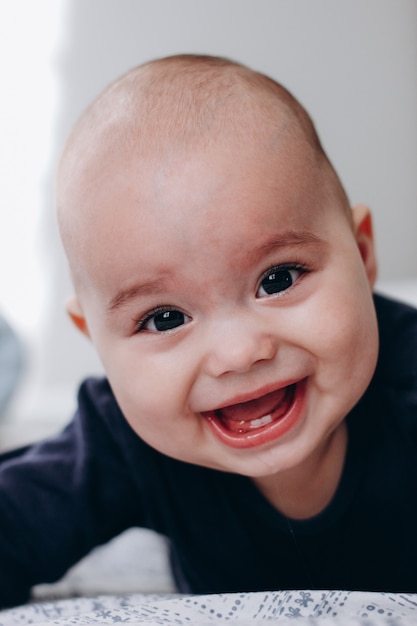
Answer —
265 434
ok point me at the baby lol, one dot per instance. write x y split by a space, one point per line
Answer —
249 413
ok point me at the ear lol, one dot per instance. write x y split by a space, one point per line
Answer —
76 314
362 224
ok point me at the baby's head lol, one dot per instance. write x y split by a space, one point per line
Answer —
218 267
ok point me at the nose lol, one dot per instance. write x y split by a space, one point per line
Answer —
236 345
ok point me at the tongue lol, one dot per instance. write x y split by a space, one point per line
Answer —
254 409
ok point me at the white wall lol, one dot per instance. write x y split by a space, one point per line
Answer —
353 63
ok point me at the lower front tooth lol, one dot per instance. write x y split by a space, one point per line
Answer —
261 421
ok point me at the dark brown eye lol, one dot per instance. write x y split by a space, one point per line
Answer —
166 320
276 280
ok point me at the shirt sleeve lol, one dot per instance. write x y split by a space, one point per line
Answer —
62 497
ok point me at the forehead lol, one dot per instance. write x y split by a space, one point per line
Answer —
201 203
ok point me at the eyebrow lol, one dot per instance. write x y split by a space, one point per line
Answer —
124 296
288 239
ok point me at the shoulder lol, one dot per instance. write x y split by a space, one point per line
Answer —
397 322
98 415
101 420
394 387
96 398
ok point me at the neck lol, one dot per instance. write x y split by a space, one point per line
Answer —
304 491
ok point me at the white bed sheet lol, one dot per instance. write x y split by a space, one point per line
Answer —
286 607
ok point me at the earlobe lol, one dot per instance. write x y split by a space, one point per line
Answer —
76 314
362 223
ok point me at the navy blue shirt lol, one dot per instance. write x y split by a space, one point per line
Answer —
62 497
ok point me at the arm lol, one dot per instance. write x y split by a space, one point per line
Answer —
62 497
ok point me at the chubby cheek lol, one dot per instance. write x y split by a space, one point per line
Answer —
344 337
152 394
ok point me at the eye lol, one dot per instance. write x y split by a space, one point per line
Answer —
278 279
163 320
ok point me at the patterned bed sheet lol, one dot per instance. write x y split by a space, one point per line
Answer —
254 609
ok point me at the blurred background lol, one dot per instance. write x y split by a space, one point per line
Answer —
352 63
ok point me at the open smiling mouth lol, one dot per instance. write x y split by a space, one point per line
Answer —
258 421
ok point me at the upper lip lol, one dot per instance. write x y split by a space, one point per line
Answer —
253 395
